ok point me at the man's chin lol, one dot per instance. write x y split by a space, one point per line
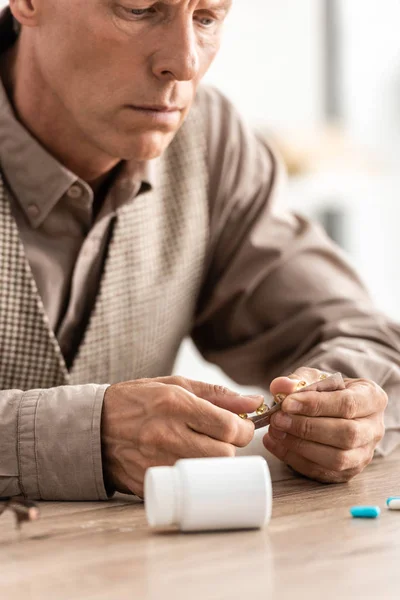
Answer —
146 147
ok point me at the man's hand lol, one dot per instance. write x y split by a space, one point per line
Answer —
154 422
327 436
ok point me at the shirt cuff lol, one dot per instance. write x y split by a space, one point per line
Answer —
59 443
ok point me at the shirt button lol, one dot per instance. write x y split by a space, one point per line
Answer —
75 191
33 210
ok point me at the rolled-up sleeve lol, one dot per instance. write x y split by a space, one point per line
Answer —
277 293
50 443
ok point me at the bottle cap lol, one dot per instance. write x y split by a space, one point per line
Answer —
160 496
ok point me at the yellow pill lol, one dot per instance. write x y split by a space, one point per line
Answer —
301 384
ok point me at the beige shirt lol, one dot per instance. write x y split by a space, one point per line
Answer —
276 288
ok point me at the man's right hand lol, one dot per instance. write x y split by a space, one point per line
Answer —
153 422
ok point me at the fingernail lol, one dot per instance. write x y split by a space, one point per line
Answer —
279 398
293 406
283 420
277 434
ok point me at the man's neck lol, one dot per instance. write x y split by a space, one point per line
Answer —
37 114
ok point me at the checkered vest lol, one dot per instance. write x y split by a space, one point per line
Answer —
148 289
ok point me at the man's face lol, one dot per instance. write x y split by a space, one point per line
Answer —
126 71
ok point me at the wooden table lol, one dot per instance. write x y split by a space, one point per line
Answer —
312 549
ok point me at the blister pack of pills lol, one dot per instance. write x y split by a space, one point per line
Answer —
331 383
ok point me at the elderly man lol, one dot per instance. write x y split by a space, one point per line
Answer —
137 208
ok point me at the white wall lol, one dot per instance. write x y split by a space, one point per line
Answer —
370 205
271 61
370 65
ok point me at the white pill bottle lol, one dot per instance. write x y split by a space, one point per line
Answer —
209 494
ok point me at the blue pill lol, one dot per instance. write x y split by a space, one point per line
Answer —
365 512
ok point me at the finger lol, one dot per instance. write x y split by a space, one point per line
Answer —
180 406
339 433
330 458
218 423
283 386
361 398
312 470
169 439
202 446
288 385
217 394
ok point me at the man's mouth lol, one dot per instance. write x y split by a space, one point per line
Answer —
159 115
158 108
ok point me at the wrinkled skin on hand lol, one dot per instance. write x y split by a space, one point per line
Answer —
154 422
326 436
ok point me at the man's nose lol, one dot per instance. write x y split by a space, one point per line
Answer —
178 56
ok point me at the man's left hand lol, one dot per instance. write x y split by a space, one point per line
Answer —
327 436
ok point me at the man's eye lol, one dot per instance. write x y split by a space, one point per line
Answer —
137 12
207 22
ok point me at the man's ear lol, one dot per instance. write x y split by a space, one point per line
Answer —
26 12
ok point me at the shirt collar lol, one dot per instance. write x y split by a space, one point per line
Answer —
38 179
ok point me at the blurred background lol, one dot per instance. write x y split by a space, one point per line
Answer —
322 79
